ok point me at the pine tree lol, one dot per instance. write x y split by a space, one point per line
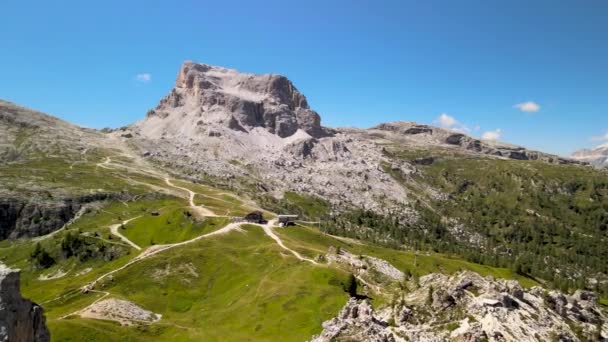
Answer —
350 285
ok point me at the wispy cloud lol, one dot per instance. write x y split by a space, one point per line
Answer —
447 121
144 78
603 137
492 135
528 107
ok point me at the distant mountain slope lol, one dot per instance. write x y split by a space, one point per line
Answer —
597 156
420 135
52 135
49 171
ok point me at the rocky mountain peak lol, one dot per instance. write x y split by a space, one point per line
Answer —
246 86
206 95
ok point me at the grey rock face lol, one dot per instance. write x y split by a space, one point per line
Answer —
358 322
226 97
34 217
20 319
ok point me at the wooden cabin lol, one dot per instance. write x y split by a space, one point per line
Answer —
287 220
255 217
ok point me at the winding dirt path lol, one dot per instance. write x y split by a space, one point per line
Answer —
268 229
200 210
105 163
115 232
153 250
78 312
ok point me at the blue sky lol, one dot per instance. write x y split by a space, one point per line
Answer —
358 62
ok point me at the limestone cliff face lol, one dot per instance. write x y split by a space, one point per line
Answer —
21 217
207 95
20 319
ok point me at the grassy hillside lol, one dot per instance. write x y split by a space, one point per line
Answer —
311 242
237 286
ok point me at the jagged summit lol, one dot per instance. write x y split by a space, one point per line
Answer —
207 96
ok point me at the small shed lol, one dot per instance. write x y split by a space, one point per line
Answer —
255 217
287 220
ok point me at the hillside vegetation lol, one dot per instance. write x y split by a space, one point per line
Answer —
542 220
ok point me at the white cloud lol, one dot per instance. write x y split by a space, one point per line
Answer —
492 135
144 78
528 107
603 137
447 121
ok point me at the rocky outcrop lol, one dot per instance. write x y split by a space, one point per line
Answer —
20 319
36 217
356 322
301 148
218 96
512 152
469 307
364 265
597 156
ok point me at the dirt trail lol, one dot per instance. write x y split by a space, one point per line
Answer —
200 210
143 168
159 249
268 229
153 250
115 232
105 163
